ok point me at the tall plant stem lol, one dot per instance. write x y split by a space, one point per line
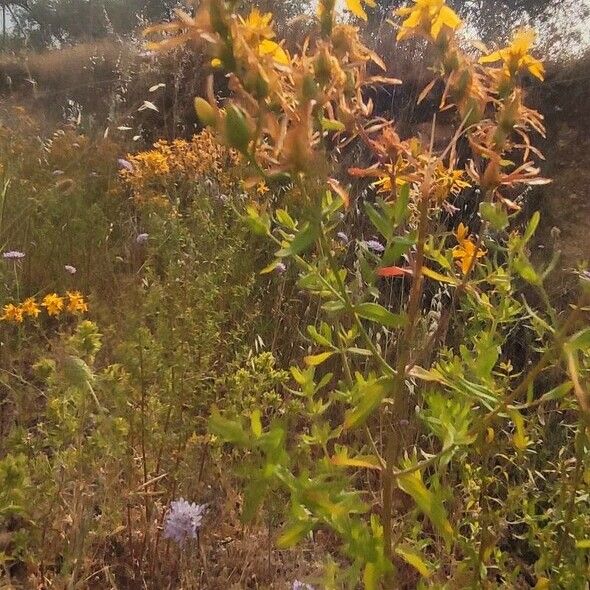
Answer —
401 401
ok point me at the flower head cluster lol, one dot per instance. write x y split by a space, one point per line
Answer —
13 255
73 302
182 521
150 174
516 57
428 18
297 585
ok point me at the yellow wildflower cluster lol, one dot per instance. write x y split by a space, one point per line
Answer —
72 302
151 174
283 105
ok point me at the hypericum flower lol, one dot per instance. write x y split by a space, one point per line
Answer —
182 521
516 56
30 307
297 585
13 255
262 188
12 313
142 238
427 17
466 252
375 246
76 303
70 269
53 303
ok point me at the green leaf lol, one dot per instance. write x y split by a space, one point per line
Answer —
381 223
229 431
429 502
319 338
293 534
526 271
583 544
256 423
398 246
257 223
401 210
317 359
531 227
285 219
333 306
580 341
370 395
371 577
415 559
377 313
494 214
304 239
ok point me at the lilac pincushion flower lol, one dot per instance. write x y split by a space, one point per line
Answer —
280 268
182 521
70 269
142 238
125 164
375 246
297 585
13 255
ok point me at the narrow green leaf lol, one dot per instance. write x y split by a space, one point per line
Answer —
317 359
293 534
381 223
415 559
531 227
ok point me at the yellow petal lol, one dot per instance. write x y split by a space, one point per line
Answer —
495 56
534 66
268 47
356 7
449 17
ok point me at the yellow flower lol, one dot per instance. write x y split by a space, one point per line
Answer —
53 303
516 56
30 307
466 252
259 24
12 313
448 181
427 17
262 189
76 303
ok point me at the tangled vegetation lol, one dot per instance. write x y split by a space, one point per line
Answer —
239 361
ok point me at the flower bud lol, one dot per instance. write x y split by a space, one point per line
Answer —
237 132
205 112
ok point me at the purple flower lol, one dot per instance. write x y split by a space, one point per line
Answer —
280 268
125 164
375 246
13 255
70 269
183 520
342 237
297 585
142 238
